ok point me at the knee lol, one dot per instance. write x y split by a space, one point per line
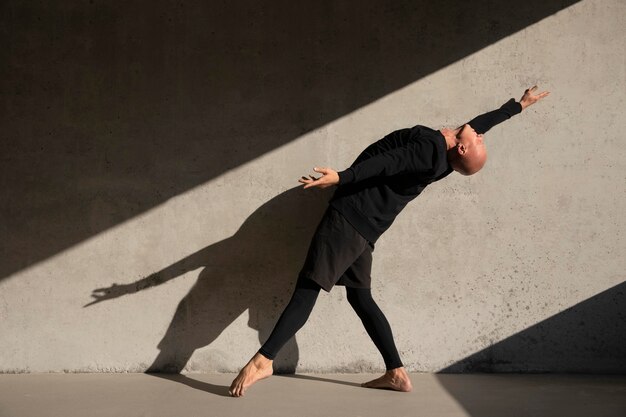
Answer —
305 294
359 297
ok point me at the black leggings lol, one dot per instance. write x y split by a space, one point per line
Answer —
301 304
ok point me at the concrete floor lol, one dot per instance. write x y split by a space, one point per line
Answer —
440 395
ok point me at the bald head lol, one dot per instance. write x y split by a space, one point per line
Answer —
470 154
470 162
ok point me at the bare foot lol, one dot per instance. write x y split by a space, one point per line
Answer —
395 379
258 368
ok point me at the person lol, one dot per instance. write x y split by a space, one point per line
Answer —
386 176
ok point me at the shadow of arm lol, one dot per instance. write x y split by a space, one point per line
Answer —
189 263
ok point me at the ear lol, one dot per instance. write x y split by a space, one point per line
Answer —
461 149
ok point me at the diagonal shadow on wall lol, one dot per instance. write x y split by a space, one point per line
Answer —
109 110
588 337
254 270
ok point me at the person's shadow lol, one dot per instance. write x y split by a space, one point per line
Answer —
255 270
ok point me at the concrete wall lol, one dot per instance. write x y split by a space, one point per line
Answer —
150 217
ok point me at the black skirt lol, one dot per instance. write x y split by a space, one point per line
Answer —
338 254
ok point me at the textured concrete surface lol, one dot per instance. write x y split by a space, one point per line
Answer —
150 154
312 395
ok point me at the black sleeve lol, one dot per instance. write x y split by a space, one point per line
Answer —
416 157
486 121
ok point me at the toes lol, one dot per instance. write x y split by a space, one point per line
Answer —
369 384
234 389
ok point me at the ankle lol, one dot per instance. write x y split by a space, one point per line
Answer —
261 361
397 371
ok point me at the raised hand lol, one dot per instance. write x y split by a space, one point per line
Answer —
529 98
329 177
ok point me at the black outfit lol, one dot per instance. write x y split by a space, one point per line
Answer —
338 254
372 191
394 170
301 304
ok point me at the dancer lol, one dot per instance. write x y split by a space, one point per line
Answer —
386 176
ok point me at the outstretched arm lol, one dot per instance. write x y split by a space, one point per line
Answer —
415 157
486 121
392 162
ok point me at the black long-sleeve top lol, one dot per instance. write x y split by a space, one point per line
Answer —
394 170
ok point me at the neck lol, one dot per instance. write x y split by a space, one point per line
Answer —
450 136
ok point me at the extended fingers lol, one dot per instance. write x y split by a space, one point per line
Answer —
321 170
307 180
528 94
540 95
312 184
321 182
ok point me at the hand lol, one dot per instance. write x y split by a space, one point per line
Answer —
528 98
329 177
116 290
109 293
